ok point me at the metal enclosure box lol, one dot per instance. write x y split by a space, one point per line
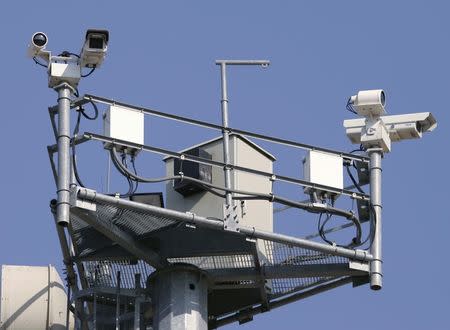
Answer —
32 298
124 124
64 72
323 168
243 152
193 170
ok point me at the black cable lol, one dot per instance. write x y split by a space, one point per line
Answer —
74 157
356 241
75 132
272 198
118 165
39 63
68 54
85 115
356 184
133 158
89 73
130 182
349 107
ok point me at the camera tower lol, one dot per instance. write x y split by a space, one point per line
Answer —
134 264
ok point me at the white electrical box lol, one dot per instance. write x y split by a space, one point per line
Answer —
324 168
124 124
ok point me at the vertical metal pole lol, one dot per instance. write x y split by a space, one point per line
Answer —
79 315
118 302
226 147
94 320
63 205
137 302
179 299
108 173
376 272
68 307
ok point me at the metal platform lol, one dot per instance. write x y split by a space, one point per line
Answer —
131 264
113 235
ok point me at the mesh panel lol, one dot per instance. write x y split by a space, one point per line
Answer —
282 254
132 221
218 262
104 273
87 240
139 224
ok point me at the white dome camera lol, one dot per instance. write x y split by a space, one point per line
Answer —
369 103
38 43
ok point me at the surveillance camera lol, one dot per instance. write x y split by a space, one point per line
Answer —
409 126
399 127
94 48
38 42
369 103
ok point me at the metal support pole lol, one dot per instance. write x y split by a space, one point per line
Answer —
118 302
137 302
63 205
225 133
94 316
179 298
230 214
376 273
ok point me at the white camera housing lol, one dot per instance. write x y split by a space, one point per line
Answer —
369 103
94 48
399 127
37 46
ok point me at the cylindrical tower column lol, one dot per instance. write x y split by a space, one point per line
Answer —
376 271
63 182
180 298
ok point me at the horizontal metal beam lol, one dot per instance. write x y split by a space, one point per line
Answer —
53 148
75 103
123 239
284 271
243 62
148 111
248 313
250 232
272 176
104 290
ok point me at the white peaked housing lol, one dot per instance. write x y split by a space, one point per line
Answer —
243 152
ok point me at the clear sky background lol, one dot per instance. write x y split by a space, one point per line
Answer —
161 55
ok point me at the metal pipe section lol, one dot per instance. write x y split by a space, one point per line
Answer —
63 141
284 271
251 232
118 301
225 134
147 111
281 178
71 275
263 63
137 302
180 299
376 272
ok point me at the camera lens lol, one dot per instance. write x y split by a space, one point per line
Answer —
96 42
382 98
39 39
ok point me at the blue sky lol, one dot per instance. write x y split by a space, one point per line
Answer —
162 54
